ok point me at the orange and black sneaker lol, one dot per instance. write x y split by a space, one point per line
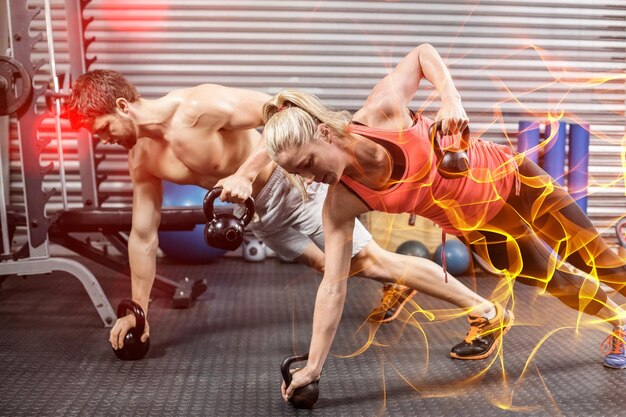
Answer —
614 349
394 298
482 338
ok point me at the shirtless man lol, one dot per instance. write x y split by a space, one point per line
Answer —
205 134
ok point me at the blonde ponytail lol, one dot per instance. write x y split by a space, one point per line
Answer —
291 118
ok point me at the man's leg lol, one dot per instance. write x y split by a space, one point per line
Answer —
416 273
312 256
293 245
394 296
392 302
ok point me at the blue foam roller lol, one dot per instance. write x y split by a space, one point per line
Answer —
528 139
554 156
578 160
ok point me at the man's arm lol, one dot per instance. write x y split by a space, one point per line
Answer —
142 249
402 83
143 240
238 187
246 108
221 107
245 112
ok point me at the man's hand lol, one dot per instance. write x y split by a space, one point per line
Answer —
121 327
299 378
453 117
236 188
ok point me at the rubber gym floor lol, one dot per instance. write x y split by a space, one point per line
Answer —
221 356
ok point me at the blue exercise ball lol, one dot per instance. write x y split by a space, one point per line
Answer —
457 257
187 246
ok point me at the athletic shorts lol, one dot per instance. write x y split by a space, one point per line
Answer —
287 224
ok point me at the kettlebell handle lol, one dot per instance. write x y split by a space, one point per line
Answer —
209 199
434 132
285 366
128 305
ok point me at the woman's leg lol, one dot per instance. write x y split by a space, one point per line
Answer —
524 255
556 218
512 246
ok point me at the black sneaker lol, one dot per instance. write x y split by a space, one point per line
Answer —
482 338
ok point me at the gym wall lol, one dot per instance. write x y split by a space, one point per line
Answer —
511 60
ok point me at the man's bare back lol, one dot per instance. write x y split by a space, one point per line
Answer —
207 133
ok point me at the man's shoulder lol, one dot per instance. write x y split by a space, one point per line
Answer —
211 106
204 88
207 93
212 94
139 161
203 100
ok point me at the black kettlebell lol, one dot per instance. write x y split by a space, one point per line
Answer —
225 231
451 164
134 348
303 397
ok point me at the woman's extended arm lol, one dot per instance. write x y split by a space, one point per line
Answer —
338 228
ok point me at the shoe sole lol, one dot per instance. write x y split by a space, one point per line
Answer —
398 310
493 346
614 367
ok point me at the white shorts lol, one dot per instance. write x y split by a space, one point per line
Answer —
288 225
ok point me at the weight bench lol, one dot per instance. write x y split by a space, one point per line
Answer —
111 222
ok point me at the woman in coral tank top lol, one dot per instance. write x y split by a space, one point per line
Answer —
510 211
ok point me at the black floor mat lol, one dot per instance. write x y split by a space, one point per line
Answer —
221 356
